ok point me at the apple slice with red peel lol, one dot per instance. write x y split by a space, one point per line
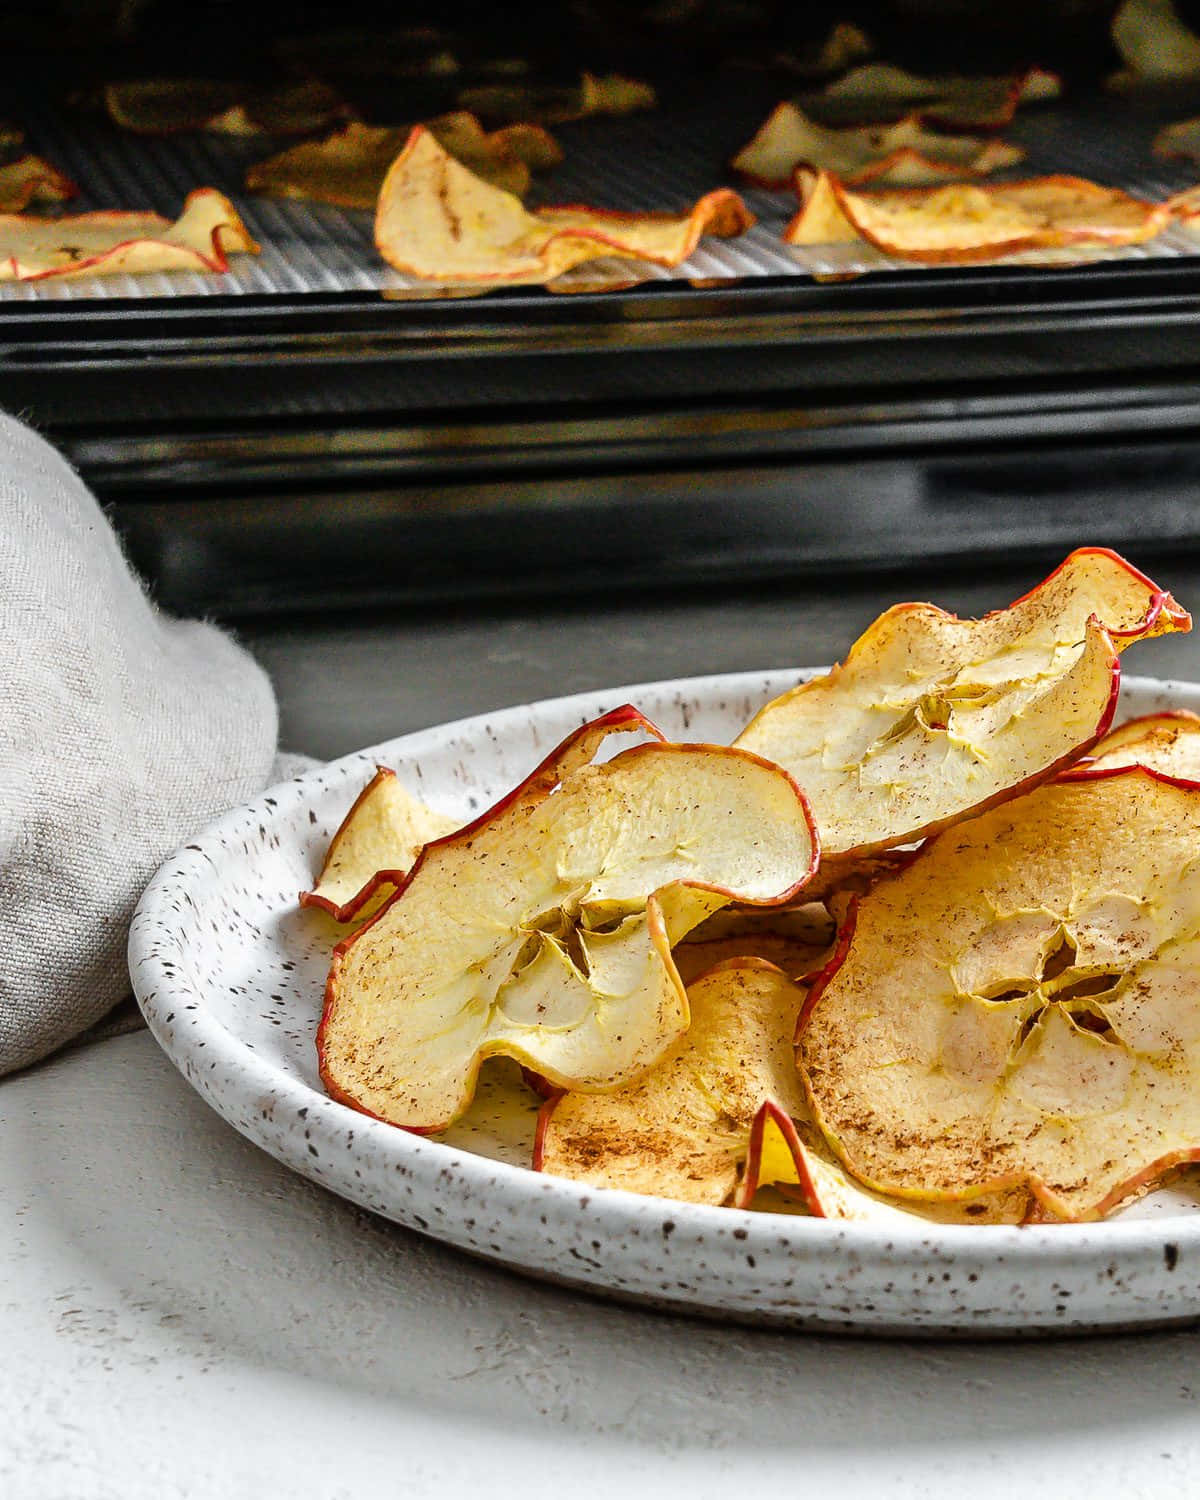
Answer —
683 1130
724 1095
166 106
865 153
606 94
30 179
375 847
792 1158
543 930
348 167
1020 1007
1167 742
882 91
931 719
956 225
435 219
103 244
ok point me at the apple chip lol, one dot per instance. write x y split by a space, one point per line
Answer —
166 106
102 244
375 847
931 719
724 1095
1179 142
1167 742
1154 44
1021 1006
28 180
436 219
543 930
882 91
348 167
971 222
611 94
903 154
792 1159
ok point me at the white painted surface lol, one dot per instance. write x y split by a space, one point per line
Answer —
180 1316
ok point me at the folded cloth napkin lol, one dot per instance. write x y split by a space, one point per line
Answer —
122 732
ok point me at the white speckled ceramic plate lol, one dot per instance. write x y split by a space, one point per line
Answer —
229 973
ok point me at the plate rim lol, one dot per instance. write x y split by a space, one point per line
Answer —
428 1159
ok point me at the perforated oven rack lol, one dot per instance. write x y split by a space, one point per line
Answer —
313 428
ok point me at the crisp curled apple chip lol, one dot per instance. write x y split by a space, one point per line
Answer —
348 167
903 154
1166 742
543 930
725 1096
375 847
972 221
789 1156
165 106
882 91
1021 1005
607 94
683 1130
1154 43
931 718
30 179
102 244
436 219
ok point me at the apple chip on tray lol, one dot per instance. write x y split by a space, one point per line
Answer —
904 154
103 244
30 179
437 220
1020 1007
543 930
348 167
508 103
1179 142
166 106
708 1108
931 719
972 221
882 91
1155 45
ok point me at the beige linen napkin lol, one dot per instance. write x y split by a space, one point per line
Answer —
122 732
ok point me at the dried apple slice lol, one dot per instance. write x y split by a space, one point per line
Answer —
867 153
683 1130
543 930
792 1159
348 167
375 847
165 106
1021 1005
30 179
882 91
102 244
436 219
1167 742
725 1094
1154 44
972 221
931 718
610 94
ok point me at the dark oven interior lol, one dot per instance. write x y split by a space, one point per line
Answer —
314 428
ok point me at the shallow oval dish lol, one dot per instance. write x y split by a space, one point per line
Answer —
229 973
